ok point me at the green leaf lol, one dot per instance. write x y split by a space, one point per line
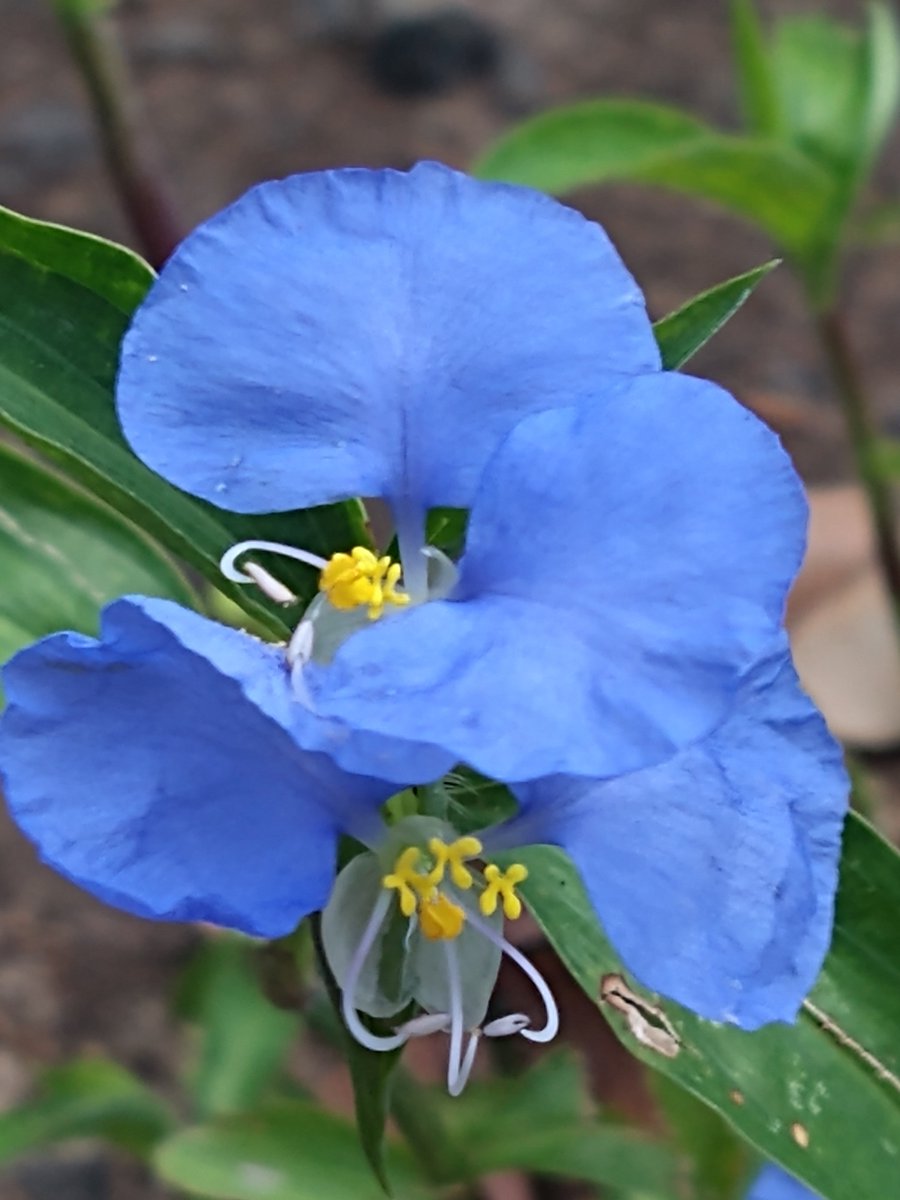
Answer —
888 456
818 64
88 1098
681 334
760 102
63 555
371 1073
881 75
720 1163
801 1094
285 1151
548 1105
244 1037
110 271
60 326
599 141
839 86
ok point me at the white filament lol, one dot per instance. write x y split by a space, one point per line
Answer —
365 1037
551 1024
459 1066
230 557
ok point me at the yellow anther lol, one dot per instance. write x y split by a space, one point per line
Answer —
351 580
501 885
440 918
453 856
411 885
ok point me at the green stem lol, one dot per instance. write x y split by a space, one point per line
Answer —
864 442
98 55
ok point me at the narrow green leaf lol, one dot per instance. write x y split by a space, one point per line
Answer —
819 66
113 272
600 141
60 327
244 1037
285 1151
889 457
787 1089
63 555
682 333
840 86
371 1073
720 1164
760 102
549 1103
881 73
88 1098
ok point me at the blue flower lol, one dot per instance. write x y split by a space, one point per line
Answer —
609 642
158 767
774 1184
433 340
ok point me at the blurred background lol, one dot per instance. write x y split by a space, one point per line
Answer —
234 91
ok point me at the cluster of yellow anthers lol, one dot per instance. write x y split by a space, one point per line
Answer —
358 578
419 891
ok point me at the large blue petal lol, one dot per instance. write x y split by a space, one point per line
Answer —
626 560
774 1184
370 333
154 768
714 874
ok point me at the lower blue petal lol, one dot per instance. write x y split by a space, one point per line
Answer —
714 874
156 768
774 1184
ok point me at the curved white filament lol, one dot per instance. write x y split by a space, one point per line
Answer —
551 1024
230 557
454 1064
365 1037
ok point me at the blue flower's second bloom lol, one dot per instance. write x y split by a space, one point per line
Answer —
158 767
434 340
774 1184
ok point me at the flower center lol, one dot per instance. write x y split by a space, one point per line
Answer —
419 894
354 589
361 578
442 949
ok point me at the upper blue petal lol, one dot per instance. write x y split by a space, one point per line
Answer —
774 1184
627 559
714 874
370 333
155 768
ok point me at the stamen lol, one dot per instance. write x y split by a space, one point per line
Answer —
360 578
506 1026
502 884
453 856
425 1024
365 1037
439 918
468 1061
456 1080
551 1024
230 557
407 881
300 647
